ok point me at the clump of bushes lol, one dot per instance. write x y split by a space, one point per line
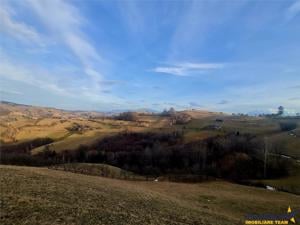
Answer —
25 147
181 118
127 116
24 159
76 127
287 125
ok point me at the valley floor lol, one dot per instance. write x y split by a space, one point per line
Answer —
32 196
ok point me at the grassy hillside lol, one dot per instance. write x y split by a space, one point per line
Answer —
263 127
42 196
290 183
97 169
69 130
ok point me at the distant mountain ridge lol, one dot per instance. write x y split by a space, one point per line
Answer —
7 107
11 108
110 112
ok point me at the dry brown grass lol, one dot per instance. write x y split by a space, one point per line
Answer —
42 196
198 114
23 123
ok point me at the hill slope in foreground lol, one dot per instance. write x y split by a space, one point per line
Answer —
42 196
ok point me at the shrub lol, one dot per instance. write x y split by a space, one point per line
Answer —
287 125
127 116
22 159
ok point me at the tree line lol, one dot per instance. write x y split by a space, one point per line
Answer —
232 156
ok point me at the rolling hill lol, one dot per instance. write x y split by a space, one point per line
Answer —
68 130
42 196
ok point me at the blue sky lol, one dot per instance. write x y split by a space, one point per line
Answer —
232 56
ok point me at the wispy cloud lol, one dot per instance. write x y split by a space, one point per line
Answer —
185 69
132 16
294 99
197 20
293 10
223 102
155 104
201 66
52 82
65 22
111 82
23 73
170 70
107 56
10 92
19 30
195 104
